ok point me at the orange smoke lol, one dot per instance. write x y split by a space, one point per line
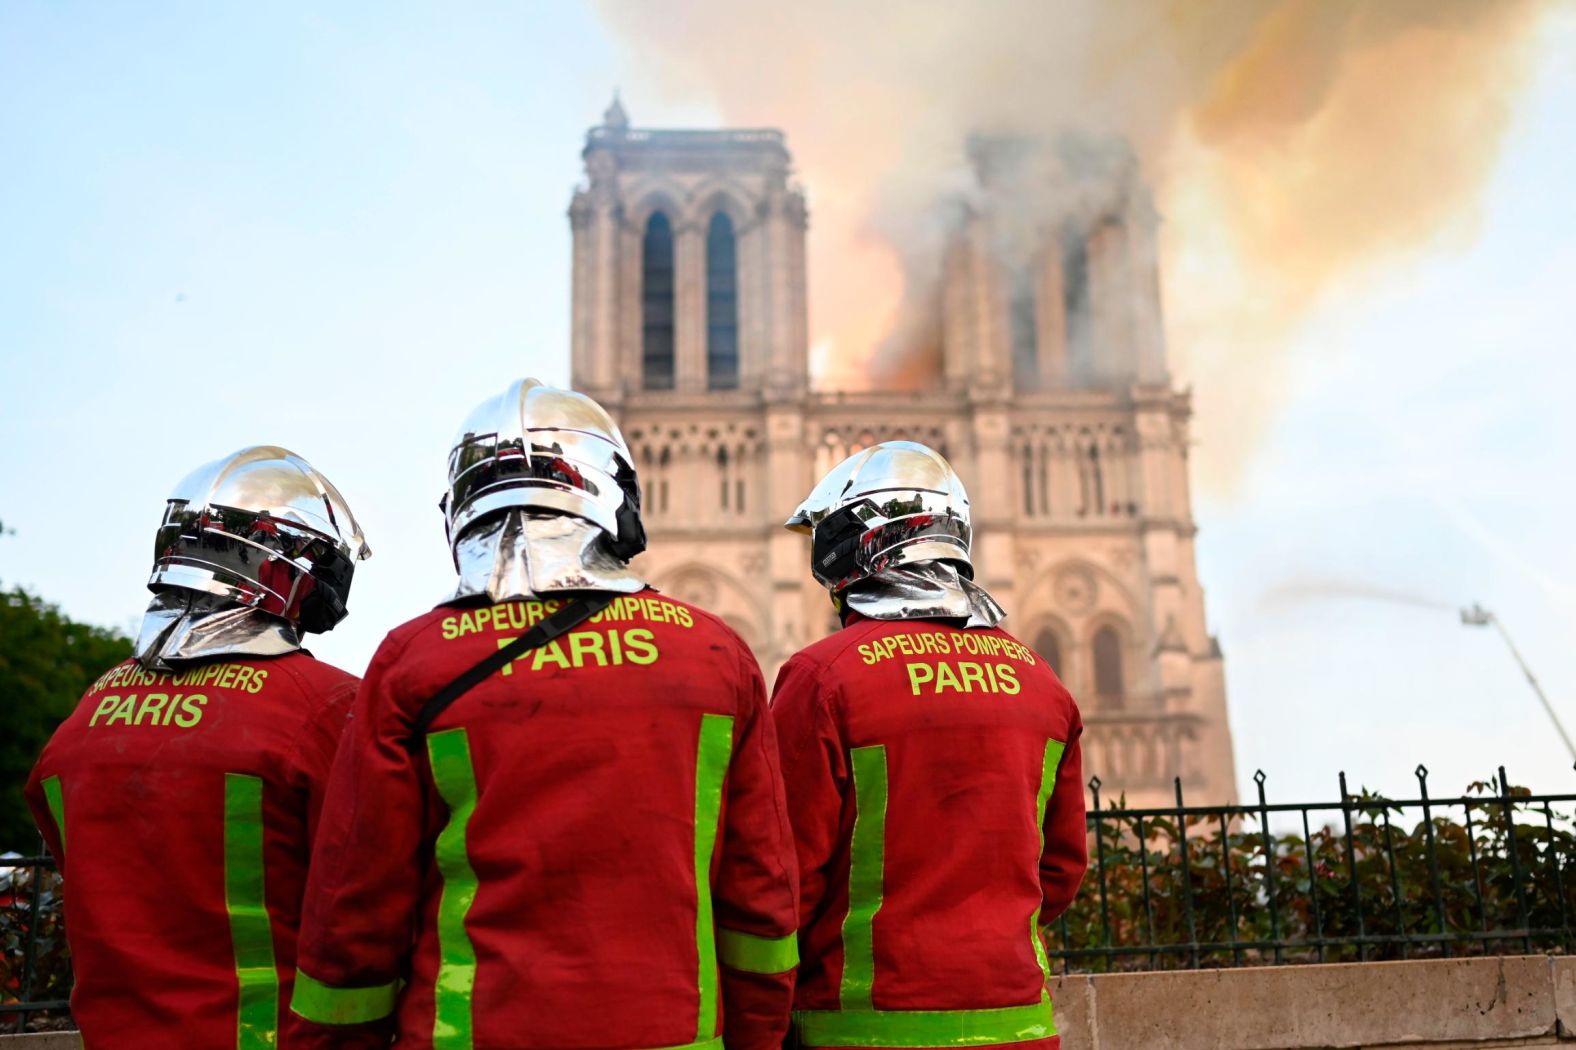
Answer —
1292 144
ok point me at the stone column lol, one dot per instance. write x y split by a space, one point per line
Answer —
990 497
631 321
593 217
798 294
1110 302
1149 347
958 330
991 362
786 370
581 365
752 330
1050 314
787 482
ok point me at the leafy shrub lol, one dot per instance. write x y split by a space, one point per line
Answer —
1397 886
22 918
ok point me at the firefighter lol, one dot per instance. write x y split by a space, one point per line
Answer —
557 819
180 798
933 774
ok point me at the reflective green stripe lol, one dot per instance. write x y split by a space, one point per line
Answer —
251 933
709 1044
455 778
919 1028
326 1004
57 806
1053 758
866 866
745 951
711 765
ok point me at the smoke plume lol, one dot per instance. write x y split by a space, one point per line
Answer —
1296 592
1292 145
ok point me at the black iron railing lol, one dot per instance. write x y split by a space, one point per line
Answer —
1364 878
35 971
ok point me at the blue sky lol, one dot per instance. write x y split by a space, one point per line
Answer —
337 229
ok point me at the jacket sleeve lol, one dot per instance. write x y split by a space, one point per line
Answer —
757 885
1066 853
815 774
313 758
359 913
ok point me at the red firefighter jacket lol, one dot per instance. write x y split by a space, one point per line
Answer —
180 808
933 780
590 848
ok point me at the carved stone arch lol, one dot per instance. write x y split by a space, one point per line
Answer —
717 592
831 450
1111 593
1097 632
663 195
1049 626
720 194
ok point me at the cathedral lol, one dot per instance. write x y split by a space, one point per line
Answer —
1051 397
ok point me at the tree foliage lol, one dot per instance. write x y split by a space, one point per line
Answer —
46 661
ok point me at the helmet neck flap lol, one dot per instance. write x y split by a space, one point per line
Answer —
182 625
518 554
932 590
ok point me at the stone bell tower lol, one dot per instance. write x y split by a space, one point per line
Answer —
1052 400
690 326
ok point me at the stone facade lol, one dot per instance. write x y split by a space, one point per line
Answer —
1051 398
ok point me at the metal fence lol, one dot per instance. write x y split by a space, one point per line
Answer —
35 973
1364 878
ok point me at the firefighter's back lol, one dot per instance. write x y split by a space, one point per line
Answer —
952 740
579 794
182 801
931 763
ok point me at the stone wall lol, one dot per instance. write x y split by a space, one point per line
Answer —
1433 1005
1458 1003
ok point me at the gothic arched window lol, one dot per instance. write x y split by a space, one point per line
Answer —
1096 480
722 305
1050 647
1108 665
1028 479
1045 478
656 303
662 481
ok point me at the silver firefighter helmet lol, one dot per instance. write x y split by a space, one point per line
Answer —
548 451
264 530
893 504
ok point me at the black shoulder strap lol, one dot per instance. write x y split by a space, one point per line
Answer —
566 619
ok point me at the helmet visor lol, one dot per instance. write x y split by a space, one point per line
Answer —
255 560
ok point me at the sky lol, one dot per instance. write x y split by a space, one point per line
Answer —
339 228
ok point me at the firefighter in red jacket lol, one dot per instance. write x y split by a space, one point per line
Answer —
933 774
180 798
579 843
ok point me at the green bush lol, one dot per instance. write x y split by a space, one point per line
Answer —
51 965
1400 887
